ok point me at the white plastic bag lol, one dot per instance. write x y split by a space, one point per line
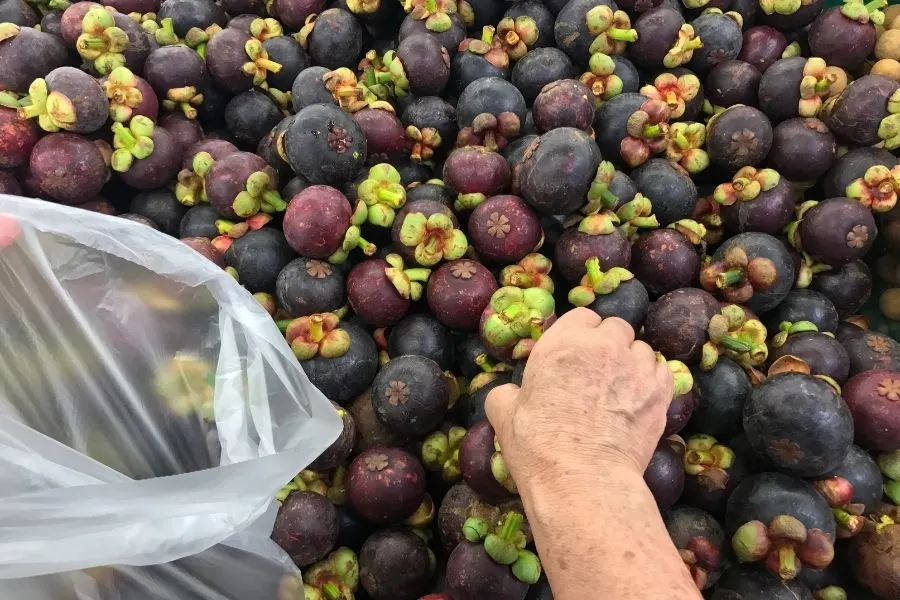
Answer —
149 410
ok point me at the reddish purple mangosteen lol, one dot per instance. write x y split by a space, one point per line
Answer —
380 291
385 485
68 168
504 229
475 173
318 223
874 400
17 138
459 291
596 235
241 184
483 467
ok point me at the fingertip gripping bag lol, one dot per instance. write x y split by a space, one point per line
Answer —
149 412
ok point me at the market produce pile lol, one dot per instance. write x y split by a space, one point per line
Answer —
414 190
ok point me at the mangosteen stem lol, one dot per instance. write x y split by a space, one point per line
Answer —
729 278
316 331
331 591
736 345
787 563
511 526
420 275
652 131
431 6
487 35
622 35
595 275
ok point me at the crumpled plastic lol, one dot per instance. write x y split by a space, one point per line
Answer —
149 412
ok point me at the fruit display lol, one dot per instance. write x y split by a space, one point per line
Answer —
415 190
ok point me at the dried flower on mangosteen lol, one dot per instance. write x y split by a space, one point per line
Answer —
532 271
785 545
514 320
68 99
601 79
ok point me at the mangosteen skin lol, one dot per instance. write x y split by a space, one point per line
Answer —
847 286
853 165
411 395
336 39
856 114
762 245
325 145
395 564
344 377
840 41
504 229
306 527
538 68
472 572
802 149
199 221
159 168
372 296
259 256
467 67
872 397
665 475
574 247
837 230
630 302
290 55
610 123
740 136
800 423
17 138
733 82
861 470
871 350
335 455
309 88
669 187
664 260
720 394
458 292
557 170
804 305
385 485
433 112
426 62
657 31
88 99
161 207
824 354
491 95
767 495
371 433
461 502
421 334
306 286
768 213
779 88
250 115
747 582
28 55
762 46
471 408
564 103
68 167
722 40
475 453
685 523
449 39
316 221
873 557
192 13
676 323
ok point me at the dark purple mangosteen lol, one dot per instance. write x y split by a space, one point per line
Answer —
712 471
762 46
720 394
27 54
740 136
293 13
473 573
146 156
411 395
333 38
318 223
384 133
538 68
857 115
490 112
595 236
459 291
17 139
450 33
395 564
875 403
431 127
664 260
851 168
307 286
68 168
564 103
834 231
426 232
250 116
385 485
848 286
677 322
242 184
844 36
424 66
756 200
259 256
803 149
67 98
665 475
823 354
794 87
503 229
482 465
325 145
788 16
630 128
664 39
306 527
720 34
584 27
421 334
669 187
700 540
475 172
617 293
733 82
861 471
747 582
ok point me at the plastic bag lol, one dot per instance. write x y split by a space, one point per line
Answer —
149 410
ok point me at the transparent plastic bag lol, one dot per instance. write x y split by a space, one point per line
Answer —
149 411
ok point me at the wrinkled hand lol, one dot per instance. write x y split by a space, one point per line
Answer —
591 398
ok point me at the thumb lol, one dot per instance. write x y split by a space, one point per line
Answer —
499 407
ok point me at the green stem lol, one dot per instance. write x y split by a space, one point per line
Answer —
652 131
389 197
431 6
487 35
513 311
622 35
420 275
92 43
331 591
729 278
511 526
316 331
736 344
595 275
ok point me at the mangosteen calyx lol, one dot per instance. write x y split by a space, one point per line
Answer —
491 131
335 578
532 271
190 186
685 146
787 329
785 545
682 379
708 215
861 12
423 516
353 238
131 142
186 385
377 84
747 184
517 35
682 51
741 339
515 319
596 282
635 215
647 131
506 545
54 110
695 232
363 7
434 238
849 516
877 188
889 463
435 13
317 335
237 230
736 278
331 484
701 557
382 194
814 86
782 7
611 30
489 46
599 195
101 42
676 91
601 78
440 453
259 63
123 94
422 142
889 128
163 31
407 282
708 461
490 370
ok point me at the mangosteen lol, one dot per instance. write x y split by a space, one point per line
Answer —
285 51
18 13
146 156
371 432
539 68
803 149
259 256
68 168
475 172
306 527
584 27
676 323
449 32
720 36
307 286
682 405
664 260
472 572
805 305
161 207
250 115
659 179
422 335
411 395
664 40
503 229
242 184
187 132
490 112
477 58
458 293
834 231
380 291
845 36
861 472
199 221
67 98
596 236
9 184
874 400
859 174
333 38
325 145
799 422
720 394
821 353
176 74
869 350
665 475
712 471
320 223
384 133
236 62
514 319
615 293
187 14
733 82
740 136
430 124
191 186
109 39
421 66
425 232
482 465
461 503
788 16
17 140
873 558
749 583
630 128
863 113
794 87
557 170
395 564
756 200
309 88
848 286
762 46
754 269
700 541
564 103
385 485
27 54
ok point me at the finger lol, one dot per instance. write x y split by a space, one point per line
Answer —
618 330
666 382
577 318
643 352
499 407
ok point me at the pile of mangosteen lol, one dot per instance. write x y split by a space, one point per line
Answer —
414 190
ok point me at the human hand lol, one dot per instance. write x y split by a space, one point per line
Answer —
591 396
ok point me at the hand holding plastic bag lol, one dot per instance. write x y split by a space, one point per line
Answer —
149 408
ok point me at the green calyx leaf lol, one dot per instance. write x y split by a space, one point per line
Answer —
383 194
53 110
131 142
